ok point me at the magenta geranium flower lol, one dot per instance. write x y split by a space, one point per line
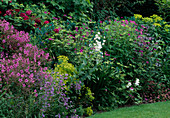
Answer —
81 50
3 41
36 94
35 90
50 39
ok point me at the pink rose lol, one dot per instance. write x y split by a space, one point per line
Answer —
28 12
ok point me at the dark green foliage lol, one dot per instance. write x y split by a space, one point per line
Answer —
76 8
104 9
164 8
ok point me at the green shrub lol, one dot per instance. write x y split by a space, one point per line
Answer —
79 9
163 10
63 38
131 61
136 55
159 30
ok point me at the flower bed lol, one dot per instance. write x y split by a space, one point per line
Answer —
63 67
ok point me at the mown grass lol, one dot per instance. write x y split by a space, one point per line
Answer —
154 110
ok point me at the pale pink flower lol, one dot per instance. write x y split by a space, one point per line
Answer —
3 41
20 80
23 85
18 74
31 75
36 94
26 80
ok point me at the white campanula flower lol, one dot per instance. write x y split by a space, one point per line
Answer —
97 36
128 85
98 46
137 82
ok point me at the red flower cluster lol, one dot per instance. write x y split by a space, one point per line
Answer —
17 10
37 21
56 30
46 22
24 16
10 1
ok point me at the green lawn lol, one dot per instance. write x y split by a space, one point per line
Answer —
154 110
